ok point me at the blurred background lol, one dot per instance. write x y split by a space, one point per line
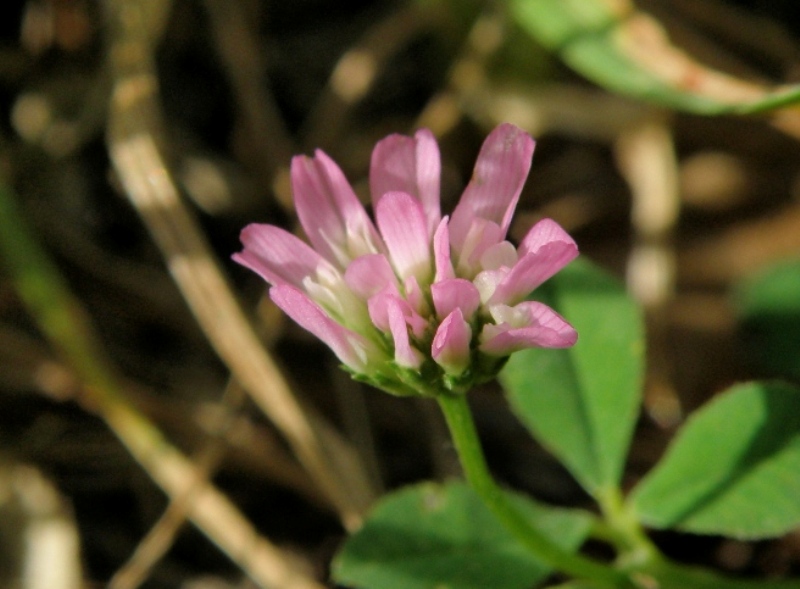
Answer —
162 425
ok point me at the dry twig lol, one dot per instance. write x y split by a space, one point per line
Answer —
135 151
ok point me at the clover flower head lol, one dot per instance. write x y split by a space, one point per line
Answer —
415 303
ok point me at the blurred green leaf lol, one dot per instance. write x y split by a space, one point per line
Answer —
582 403
579 585
768 306
672 575
733 469
627 51
442 536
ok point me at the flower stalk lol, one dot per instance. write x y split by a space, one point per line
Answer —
415 302
465 438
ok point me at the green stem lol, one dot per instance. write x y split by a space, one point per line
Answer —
465 437
635 547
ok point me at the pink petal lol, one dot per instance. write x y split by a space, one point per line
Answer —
368 275
351 348
544 232
276 255
450 348
410 165
380 305
331 215
500 255
455 293
549 249
415 296
404 353
329 290
486 282
500 172
482 236
402 224
441 252
528 325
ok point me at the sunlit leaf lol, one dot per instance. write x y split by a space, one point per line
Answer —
442 536
733 469
582 402
628 51
768 306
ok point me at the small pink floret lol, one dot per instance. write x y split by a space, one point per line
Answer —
529 324
451 344
351 348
